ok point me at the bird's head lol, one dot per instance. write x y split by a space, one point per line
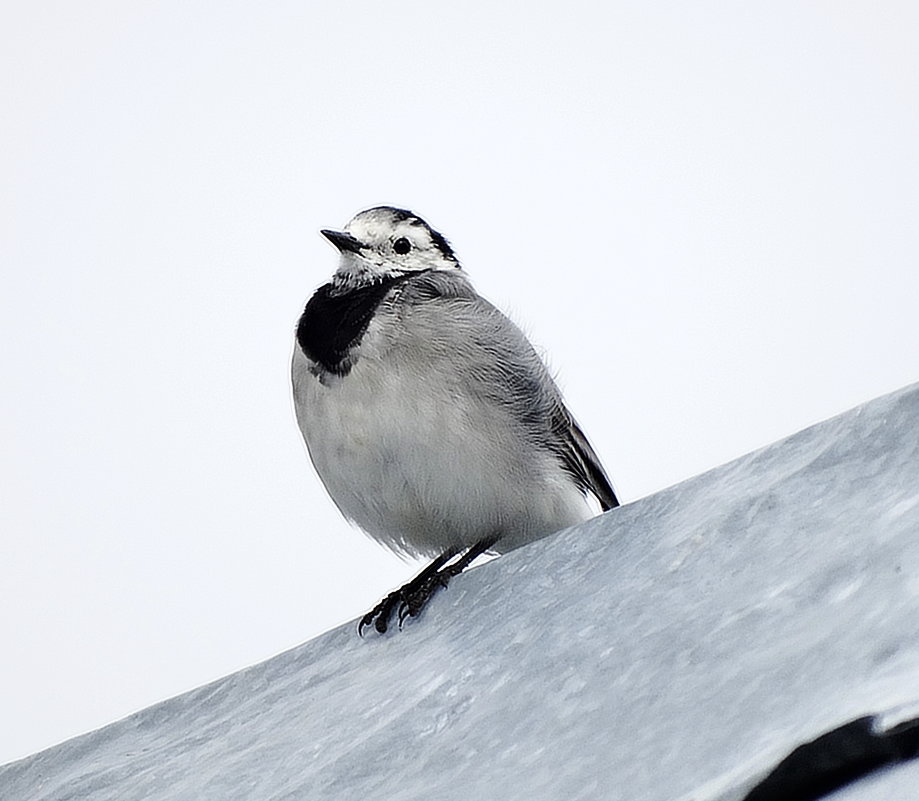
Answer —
386 242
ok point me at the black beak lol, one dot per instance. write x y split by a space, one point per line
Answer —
343 241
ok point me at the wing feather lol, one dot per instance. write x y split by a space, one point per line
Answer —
496 359
581 460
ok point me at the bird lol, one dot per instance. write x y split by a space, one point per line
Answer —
428 415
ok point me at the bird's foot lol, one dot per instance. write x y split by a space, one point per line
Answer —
411 598
408 600
417 598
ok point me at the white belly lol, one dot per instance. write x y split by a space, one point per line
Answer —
423 468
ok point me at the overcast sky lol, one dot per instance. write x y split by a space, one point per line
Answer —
706 215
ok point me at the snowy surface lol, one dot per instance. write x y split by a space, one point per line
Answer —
676 648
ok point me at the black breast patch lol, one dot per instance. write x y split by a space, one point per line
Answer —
334 321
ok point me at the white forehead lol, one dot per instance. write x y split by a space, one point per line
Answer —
382 223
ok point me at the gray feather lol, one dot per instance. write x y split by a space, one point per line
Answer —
496 361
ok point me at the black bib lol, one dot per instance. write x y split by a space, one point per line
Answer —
333 322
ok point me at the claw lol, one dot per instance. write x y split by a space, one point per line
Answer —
410 599
382 624
366 620
379 615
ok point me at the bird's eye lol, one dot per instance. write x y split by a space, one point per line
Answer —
402 246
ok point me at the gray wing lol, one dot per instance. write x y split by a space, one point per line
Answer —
496 358
581 460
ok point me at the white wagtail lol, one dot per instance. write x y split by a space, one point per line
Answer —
428 415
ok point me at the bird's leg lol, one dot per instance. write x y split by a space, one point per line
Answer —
383 611
414 596
449 571
415 600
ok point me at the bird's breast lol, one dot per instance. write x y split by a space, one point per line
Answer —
421 465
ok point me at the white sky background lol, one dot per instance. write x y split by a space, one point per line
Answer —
706 214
